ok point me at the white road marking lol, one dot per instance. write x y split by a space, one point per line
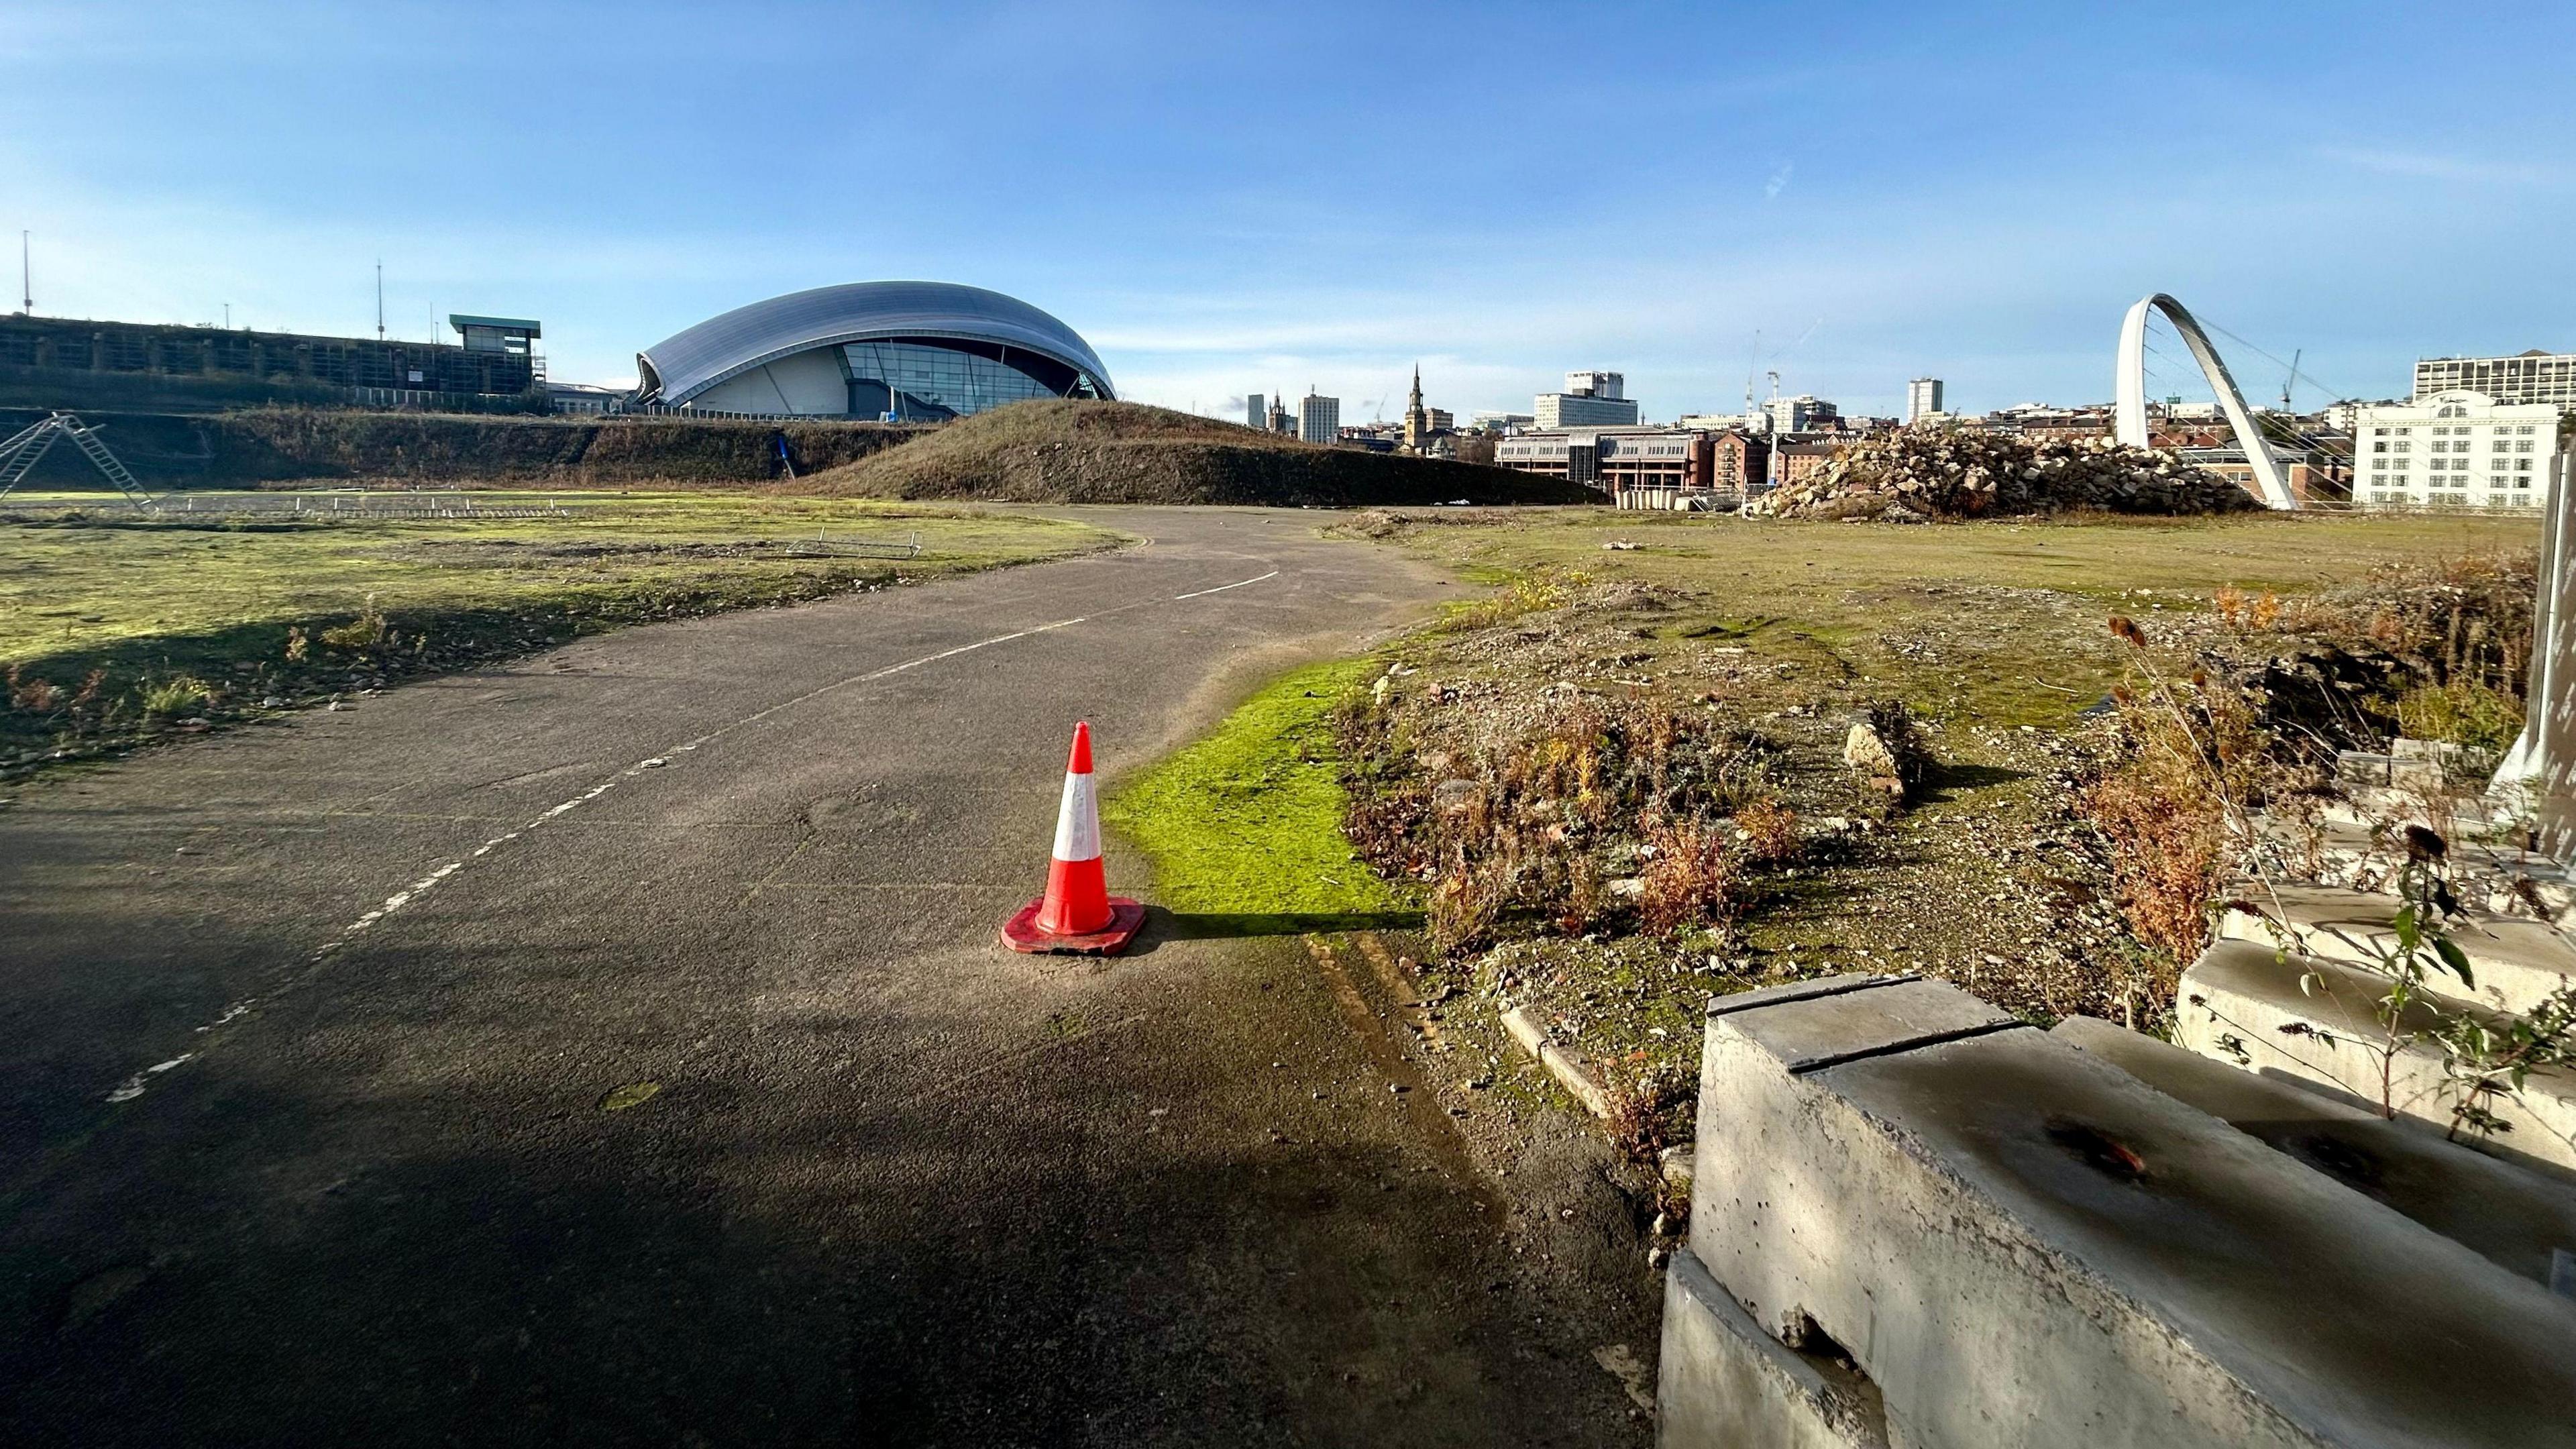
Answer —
133 1086
1221 588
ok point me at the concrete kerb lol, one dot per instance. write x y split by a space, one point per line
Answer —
2023 1245
1564 1066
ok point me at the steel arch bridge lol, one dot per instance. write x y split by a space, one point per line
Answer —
2129 393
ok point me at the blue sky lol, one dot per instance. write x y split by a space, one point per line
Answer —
1245 198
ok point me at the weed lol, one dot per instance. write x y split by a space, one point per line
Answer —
297 645
35 696
178 694
1770 831
1689 878
1651 1108
362 632
2462 712
2165 824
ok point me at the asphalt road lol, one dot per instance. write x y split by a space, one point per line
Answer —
305 1032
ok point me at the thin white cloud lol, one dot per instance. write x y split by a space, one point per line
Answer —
1779 181
2427 166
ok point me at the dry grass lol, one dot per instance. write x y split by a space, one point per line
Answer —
1689 878
1527 820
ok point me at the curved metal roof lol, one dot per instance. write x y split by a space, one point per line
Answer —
689 362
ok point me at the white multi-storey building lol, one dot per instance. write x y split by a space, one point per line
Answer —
2456 449
1801 414
1319 418
2528 377
1922 398
1590 400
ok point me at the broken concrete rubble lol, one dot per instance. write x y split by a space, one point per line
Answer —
1919 474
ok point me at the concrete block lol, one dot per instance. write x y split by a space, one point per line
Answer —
2247 1004
1818 1023
1725 1384
2499 876
2021 1245
2516 961
2513 1218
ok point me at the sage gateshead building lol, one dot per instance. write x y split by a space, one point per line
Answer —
905 351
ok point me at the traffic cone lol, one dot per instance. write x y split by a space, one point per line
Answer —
1077 915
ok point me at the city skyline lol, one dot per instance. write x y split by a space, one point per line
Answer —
1860 203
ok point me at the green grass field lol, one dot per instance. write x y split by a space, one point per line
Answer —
194 614
1992 621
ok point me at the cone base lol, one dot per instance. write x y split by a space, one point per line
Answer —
1021 932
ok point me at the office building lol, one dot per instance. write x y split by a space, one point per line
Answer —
1800 414
1490 421
1319 418
1922 399
2458 449
1254 415
1678 460
1590 400
2528 377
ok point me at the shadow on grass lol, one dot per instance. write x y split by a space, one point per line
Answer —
1213 925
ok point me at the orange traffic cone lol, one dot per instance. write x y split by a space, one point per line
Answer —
1077 915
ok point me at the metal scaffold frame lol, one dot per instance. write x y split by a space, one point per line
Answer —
24 449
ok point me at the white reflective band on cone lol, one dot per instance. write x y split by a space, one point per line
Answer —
1077 825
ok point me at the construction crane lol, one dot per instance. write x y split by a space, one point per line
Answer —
2292 380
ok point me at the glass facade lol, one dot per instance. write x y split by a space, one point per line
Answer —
920 381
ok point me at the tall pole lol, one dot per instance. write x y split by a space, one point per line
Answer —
380 299
26 279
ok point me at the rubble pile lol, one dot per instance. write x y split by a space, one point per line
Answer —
1917 476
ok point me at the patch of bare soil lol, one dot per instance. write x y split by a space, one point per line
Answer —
1623 809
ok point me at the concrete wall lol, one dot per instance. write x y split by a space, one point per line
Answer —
2019 1244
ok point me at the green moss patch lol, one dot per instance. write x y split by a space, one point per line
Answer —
1244 828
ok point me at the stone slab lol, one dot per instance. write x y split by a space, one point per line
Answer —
2313 1021
1725 1384
2022 1245
2514 1218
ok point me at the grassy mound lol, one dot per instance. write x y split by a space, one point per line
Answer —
1070 451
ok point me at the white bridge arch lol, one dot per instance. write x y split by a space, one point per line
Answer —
2130 393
